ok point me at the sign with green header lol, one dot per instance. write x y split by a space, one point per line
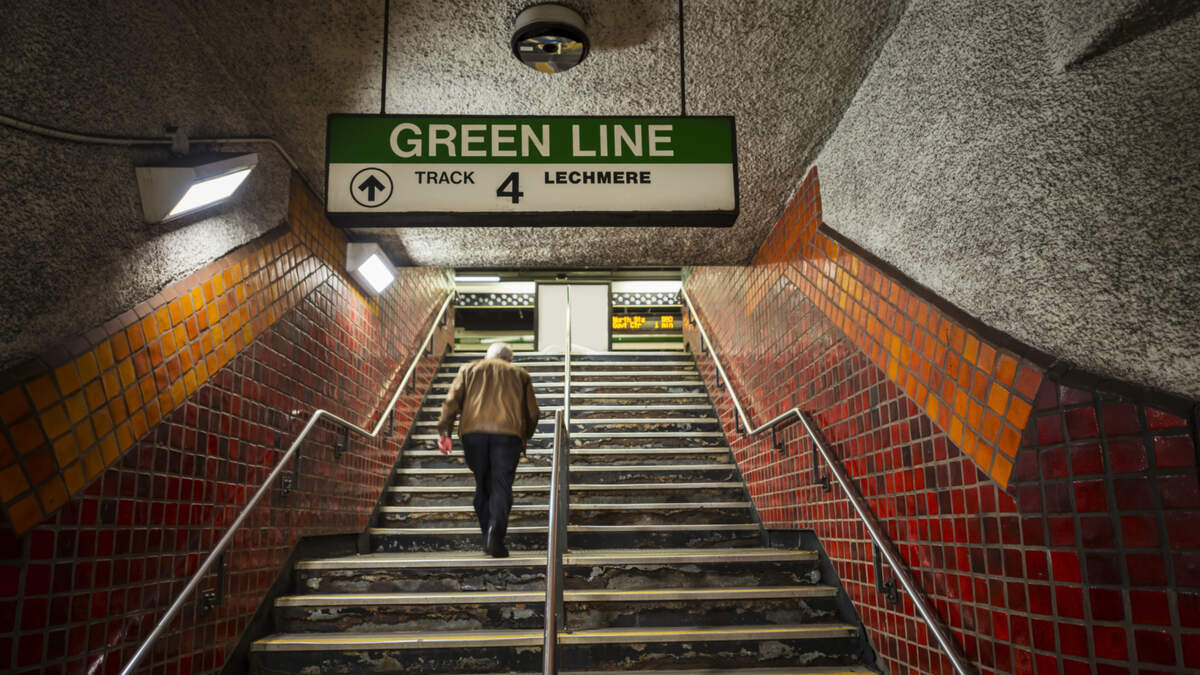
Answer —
405 170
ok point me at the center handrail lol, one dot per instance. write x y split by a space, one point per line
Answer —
556 531
317 415
882 542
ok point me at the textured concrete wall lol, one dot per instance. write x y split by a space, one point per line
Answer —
1077 31
1060 207
74 251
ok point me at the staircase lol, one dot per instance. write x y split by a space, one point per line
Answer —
666 570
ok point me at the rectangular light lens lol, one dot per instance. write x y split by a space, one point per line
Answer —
477 279
376 273
206 192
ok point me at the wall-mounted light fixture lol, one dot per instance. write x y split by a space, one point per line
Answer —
370 266
188 184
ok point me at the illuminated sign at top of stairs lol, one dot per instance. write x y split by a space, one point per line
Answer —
402 170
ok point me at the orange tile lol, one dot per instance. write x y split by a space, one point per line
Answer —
67 378
27 435
1010 441
213 313
155 352
126 371
112 384
153 412
86 365
104 356
76 408
1006 369
94 393
149 328
983 456
125 437
208 291
12 483
102 421
969 443
120 346
169 346
133 398
181 337
1018 412
139 424
162 319
197 298
116 408
1001 471
218 283
135 337
39 466
997 398
979 386
42 392
84 436
7 456
975 415
54 421
74 479
25 514
971 350
987 358
147 389
14 405
177 393
65 450
93 464
991 427
176 311
108 450
956 430
189 382
186 306
1028 382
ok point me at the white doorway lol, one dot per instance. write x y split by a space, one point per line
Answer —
590 317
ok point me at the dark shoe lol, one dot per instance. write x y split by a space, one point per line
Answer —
495 543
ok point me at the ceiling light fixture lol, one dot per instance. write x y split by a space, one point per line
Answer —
477 279
185 185
370 266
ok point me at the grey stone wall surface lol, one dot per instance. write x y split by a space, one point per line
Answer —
74 250
1062 207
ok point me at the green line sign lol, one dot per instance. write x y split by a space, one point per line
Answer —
407 170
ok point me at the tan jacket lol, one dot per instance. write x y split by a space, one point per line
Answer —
494 397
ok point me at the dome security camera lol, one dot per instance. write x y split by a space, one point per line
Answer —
550 38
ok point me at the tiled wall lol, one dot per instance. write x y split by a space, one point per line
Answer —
211 380
1061 551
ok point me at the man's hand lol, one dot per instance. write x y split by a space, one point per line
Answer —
445 444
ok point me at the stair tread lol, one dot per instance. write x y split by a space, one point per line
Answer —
637 506
622 595
498 637
584 469
530 529
710 485
577 557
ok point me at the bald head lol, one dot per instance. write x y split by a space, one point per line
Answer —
499 350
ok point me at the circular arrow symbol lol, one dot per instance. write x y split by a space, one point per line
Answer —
371 187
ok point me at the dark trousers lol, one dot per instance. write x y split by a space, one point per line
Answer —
493 459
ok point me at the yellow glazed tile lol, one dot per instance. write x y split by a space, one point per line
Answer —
12 483
67 378
25 514
53 494
65 451
74 479
93 464
41 391
13 405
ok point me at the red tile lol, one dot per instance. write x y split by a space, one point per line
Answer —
1139 531
1091 495
1155 647
1110 643
1150 607
1107 604
1174 452
1081 423
1127 456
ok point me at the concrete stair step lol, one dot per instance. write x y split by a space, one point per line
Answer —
508 650
597 569
607 474
580 514
527 538
425 457
418 495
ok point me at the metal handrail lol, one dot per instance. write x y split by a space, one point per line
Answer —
317 415
882 542
556 531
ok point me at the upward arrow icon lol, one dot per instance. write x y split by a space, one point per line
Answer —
371 185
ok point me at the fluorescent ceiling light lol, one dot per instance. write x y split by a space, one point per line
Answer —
370 266
477 279
671 286
188 184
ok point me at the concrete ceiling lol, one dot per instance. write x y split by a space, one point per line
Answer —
786 70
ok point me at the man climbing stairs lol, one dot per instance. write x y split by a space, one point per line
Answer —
666 569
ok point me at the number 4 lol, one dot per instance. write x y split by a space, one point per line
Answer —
511 187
